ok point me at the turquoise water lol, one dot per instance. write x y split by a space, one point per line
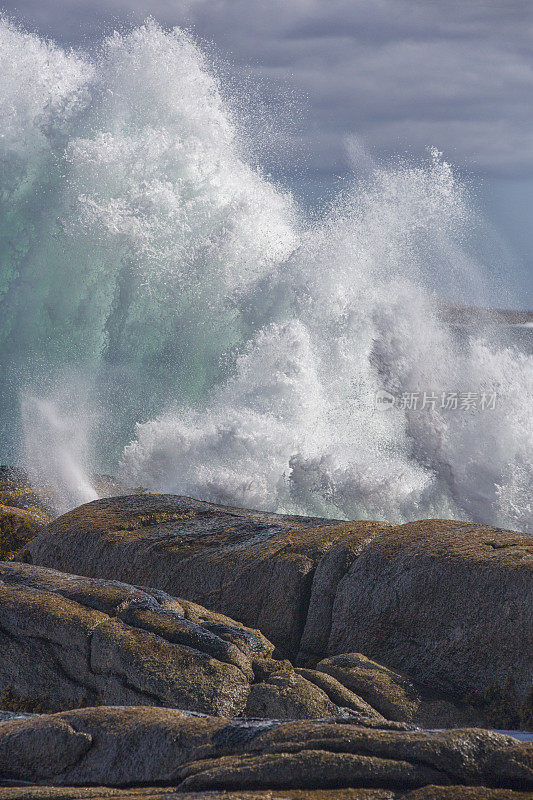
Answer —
169 313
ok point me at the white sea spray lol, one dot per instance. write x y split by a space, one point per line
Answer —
230 349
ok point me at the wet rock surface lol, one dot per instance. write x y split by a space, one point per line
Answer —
119 747
445 604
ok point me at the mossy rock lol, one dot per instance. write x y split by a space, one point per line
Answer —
18 527
387 691
70 642
128 747
9 701
445 603
16 491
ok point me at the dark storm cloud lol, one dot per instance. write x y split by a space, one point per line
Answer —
401 74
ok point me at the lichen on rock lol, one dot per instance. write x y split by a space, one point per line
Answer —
120 747
446 604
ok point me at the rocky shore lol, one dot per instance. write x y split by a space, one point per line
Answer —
154 646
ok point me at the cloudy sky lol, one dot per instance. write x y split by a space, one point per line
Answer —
401 75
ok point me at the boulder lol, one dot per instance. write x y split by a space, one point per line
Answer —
22 512
119 747
447 604
395 696
16 491
17 527
68 641
390 693
339 692
288 695
258 568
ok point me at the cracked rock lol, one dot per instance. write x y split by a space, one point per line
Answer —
120 747
68 641
445 603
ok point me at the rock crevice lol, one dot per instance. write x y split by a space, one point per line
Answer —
149 746
446 603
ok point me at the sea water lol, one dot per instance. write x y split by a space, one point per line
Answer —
170 313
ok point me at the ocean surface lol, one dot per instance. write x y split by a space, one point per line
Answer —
170 314
523 736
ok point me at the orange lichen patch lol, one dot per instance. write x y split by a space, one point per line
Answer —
305 542
27 500
17 527
152 519
11 702
16 492
138 512
36 609
316 540
451 539
115 520
9 497
301 547
137 517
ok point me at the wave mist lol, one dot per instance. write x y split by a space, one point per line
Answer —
234 348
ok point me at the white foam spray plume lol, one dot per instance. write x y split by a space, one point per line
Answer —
55 447
247 343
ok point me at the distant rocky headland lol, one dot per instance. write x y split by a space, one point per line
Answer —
456 314
154 646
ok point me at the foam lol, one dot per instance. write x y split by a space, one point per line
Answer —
229 348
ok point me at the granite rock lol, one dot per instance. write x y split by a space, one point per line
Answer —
68 641
144 746
446 604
